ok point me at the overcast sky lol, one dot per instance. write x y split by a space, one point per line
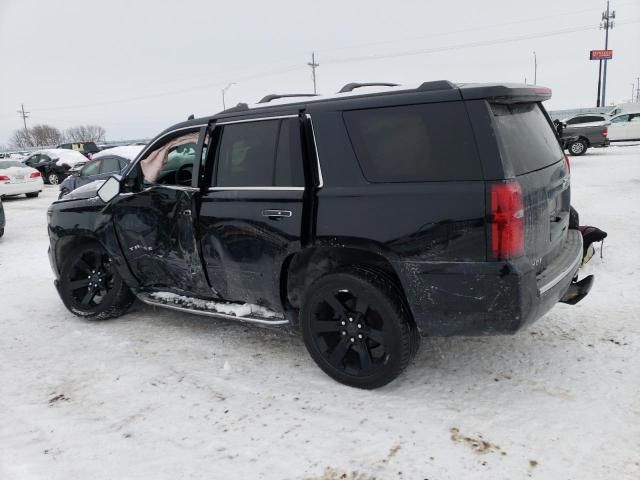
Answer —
136 67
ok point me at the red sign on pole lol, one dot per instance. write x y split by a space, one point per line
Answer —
601 55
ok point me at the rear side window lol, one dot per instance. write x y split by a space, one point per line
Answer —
260 154
110 164
526 138
415 143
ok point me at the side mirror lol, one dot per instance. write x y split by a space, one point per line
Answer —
109 189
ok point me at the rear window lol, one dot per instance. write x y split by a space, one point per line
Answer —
415 143
526 138
10 163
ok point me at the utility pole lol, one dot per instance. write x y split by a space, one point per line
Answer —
224 90
313 66
607 24
637 90
24 115
535 69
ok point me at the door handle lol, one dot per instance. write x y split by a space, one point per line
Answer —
186 213
277 213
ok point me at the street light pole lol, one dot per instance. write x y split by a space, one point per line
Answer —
224 90
535 69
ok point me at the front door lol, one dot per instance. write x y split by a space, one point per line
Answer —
251 218
154 221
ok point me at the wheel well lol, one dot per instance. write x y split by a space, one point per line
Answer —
68 244
300 270
586 140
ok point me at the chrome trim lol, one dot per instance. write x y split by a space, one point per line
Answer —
554 281
257 321
223 189
313 132
255 119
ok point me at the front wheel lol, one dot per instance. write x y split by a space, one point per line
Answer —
53 179
577 148
91 287
357 328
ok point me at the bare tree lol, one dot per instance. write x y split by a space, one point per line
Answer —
86 133
36 136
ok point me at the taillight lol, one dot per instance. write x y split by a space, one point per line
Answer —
507 220
566 159
605 132
35 175
3 178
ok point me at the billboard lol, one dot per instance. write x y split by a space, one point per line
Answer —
601 55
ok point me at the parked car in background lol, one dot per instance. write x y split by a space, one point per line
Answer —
54 164
577 138
17 179
363 220
88 149
104 164
2 219
625 127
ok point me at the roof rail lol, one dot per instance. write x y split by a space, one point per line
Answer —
437 85
352 86
275 96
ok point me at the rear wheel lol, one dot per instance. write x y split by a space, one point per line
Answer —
357 328
577 148
91 287
32 195
53 178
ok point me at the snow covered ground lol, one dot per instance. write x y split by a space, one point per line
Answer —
162 395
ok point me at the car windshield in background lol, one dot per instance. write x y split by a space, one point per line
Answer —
10 163
526 137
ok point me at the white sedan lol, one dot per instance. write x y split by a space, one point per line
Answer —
625 127
16 178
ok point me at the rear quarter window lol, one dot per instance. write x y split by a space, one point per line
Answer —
415 143
526 138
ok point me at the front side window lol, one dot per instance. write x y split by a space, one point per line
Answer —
110 164
91 168
619 119
260 154
172 162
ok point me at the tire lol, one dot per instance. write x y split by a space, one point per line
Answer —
32 195
574 219
63 192
578 148
53 178
1 231
357 328
91 287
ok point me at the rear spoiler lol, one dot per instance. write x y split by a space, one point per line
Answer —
513 93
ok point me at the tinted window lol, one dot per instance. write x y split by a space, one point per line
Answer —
526 138
621 118
584 119
247 154
110 164
288 171
416 143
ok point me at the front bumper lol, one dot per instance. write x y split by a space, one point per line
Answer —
486 298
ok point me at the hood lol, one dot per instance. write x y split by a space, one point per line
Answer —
89 190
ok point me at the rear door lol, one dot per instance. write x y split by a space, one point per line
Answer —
618 128
531 153
250 218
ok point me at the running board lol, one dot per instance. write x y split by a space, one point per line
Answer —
145 298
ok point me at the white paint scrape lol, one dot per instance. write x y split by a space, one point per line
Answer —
235 309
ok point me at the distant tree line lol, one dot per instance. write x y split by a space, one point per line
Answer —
41 135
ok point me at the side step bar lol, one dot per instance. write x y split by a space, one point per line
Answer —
209 313
578 290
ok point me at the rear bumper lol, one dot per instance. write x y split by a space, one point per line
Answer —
486 298
30 186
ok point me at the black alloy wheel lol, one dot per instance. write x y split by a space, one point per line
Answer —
90 286
357 328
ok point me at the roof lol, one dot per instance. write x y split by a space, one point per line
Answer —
129 152
64 156
501 92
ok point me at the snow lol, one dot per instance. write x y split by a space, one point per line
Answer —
65 157
130 152
238 310
158 394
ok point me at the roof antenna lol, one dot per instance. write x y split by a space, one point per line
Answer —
191 117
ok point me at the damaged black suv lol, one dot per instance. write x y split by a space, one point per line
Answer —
366 220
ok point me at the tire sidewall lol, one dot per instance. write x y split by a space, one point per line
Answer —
582 144
394 329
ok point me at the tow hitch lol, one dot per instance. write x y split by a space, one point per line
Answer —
578 290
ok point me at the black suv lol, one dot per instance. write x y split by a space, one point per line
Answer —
363 219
